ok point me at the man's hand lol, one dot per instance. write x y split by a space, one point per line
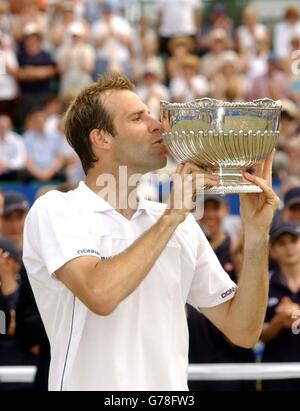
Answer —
257 210
188 180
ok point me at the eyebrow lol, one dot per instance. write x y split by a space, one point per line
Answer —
136 113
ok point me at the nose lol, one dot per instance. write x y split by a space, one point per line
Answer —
154 125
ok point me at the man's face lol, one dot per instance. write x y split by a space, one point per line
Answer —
137 142
286 249
13 225
213 215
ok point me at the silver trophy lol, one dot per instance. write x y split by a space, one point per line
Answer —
222 136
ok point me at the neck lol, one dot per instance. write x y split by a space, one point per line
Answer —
116 186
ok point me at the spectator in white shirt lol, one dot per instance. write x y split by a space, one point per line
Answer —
182 18
12 151
44 151
76 62
112 38
189 85
151 90
8 84
250 31
285 30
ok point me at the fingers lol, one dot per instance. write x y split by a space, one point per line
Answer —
267 167
198 175
269 194
263 169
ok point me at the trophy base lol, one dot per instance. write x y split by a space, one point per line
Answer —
231 182
233 189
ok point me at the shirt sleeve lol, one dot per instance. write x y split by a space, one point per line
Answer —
55 232
211 285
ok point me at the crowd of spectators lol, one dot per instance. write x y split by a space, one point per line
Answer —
50 50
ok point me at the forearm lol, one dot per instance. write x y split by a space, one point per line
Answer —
116 278
247 309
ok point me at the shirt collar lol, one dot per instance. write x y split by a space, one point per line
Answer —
98 204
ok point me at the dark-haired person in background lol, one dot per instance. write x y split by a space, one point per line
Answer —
281 333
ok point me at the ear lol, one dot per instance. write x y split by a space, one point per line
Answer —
100 139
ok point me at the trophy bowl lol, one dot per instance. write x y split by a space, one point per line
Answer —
223 136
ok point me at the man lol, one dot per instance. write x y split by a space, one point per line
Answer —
281 331
111 279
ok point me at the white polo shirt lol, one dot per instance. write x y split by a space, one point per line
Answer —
143 344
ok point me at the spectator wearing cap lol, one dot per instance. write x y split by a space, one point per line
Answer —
213 59
285 30
62 19
27 13
76 62
280 333
179 47
189 84
36 70
291 205
206 343
12 151
15 210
